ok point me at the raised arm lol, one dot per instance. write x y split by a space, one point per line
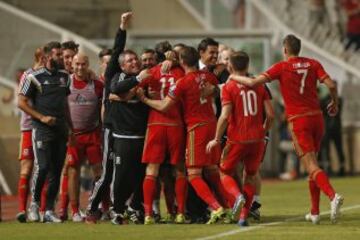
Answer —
119 45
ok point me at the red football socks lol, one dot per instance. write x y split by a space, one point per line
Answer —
23 191
180 192
64 196
249 191
314 197
74 206
222 194
230 185
204 192
149 187
322 181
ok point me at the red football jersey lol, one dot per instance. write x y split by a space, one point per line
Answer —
197 109
247 117
161 83
298 84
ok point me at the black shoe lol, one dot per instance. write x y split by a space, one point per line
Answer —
254 210
21 217
157 217
243 223
134 216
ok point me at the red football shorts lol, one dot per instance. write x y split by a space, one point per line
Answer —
86 145
26 148
251 154
197 139
306 133
162 142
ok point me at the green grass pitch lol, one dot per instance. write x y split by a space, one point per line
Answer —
281 201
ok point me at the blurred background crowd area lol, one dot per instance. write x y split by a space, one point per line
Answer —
329 29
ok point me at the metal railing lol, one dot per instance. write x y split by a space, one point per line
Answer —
22 33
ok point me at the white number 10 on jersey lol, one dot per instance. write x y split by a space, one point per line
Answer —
249 100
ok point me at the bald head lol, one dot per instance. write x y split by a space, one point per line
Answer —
81 65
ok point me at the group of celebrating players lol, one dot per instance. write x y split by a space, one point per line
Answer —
180 119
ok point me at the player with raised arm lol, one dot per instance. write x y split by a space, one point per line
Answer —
242 115
200 122
298 77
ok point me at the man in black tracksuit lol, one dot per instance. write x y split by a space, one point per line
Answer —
129 122
102 186
47 88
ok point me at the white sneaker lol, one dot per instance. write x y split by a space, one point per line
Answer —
76 217
50 217
335 206
33 212
315 219
239 203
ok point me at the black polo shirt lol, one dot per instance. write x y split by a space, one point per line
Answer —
48 92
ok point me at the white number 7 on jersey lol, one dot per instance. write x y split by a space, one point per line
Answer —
304 73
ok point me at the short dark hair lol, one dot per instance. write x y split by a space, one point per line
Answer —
50 46
207 42
239 60
292 44
189 56
163 47
105 52
179 45
70 45
148 50
124 53
160 49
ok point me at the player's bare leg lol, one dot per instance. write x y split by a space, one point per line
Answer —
319 179
26 166
203 191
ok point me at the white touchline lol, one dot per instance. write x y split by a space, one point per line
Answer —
247 229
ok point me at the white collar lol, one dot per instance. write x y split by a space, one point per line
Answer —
201 65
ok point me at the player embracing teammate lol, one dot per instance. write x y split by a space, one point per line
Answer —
298 77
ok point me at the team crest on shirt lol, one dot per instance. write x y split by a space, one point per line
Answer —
62 82
39 144
117 160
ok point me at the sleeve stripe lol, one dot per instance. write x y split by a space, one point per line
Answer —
25 86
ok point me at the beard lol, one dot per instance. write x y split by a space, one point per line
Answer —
54 65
